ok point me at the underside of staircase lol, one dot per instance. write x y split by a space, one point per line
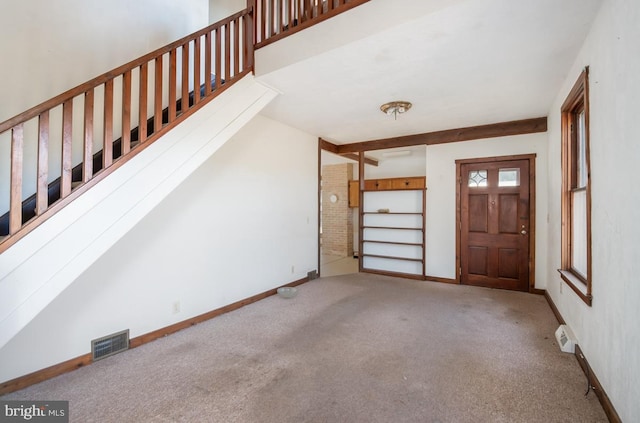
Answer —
39 267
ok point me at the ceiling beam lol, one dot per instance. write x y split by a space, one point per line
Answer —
333 148
502 129
328 146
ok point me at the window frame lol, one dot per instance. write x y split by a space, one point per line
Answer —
576 103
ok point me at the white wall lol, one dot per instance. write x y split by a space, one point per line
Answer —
53 46
243 223
220 9
441 197
608 331
397 167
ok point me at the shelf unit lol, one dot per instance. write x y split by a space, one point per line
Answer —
393 242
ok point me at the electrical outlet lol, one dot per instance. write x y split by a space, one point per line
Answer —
293 269
561 286
176 307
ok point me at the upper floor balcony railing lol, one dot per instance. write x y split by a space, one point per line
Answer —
276 19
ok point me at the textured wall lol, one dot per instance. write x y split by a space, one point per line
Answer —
242 223
608 331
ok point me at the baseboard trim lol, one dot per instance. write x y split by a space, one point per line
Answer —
554 309
168 330
394 274
441 280
593 381
44 374
85 359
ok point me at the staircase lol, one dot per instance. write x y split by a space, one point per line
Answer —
149 142
39 267
219 54
29 206
121 113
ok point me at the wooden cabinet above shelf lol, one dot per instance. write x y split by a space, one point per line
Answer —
392 184
385 184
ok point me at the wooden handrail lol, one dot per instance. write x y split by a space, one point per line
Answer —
276 19
129 122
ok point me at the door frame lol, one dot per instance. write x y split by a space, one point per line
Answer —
532 212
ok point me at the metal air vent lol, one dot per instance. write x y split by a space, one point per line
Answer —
110 345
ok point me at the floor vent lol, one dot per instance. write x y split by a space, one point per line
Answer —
312 275
110 345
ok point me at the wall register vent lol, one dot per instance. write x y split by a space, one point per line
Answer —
566 339
109 345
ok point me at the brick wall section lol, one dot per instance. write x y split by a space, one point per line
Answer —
337 218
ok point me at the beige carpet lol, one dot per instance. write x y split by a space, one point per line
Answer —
355 348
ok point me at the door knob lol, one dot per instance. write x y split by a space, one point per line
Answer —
523 232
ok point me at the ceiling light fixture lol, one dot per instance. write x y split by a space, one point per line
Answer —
395 108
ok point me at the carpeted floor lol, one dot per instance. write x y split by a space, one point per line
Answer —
353 348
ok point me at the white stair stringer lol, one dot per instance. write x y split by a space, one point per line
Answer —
35 270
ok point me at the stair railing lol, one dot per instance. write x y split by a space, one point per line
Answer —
276 19
96 127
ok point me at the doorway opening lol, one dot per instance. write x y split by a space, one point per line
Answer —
338 216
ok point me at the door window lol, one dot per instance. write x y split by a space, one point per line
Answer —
509 178
477 178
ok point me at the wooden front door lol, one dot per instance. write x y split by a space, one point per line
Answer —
494 224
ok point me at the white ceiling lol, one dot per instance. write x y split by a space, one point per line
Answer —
461 63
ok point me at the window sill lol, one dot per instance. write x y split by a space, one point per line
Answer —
577 285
